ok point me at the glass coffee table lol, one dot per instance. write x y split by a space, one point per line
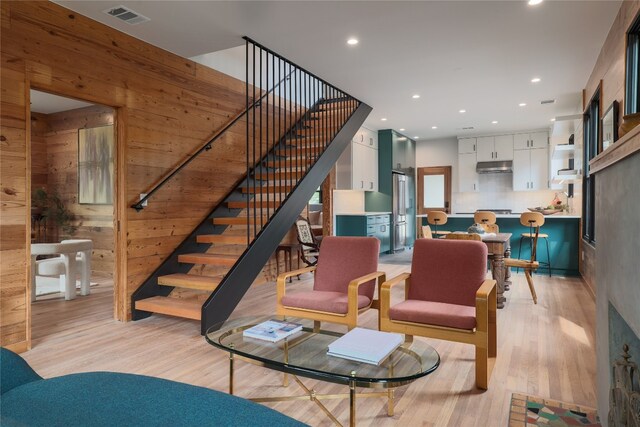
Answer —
305 354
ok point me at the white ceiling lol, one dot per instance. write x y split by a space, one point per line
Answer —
46 103
473 55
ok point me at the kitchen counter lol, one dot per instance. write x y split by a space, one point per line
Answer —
563 231
513 215
361 213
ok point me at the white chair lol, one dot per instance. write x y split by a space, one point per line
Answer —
71 252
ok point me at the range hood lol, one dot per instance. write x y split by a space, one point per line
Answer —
501 166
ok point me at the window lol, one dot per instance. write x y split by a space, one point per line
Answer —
316 199
591 149
632 83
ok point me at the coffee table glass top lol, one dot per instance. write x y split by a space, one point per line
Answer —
305 354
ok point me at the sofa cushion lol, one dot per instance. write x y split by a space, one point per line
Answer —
115 399
14 371
435 313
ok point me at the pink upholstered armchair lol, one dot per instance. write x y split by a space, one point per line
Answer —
344 282
448 298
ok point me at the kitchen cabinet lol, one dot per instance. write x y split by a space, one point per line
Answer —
371 225
492 148
467 175
527 141
466 145
531 169
357 167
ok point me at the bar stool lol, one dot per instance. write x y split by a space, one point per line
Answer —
487 220
437 218
534 220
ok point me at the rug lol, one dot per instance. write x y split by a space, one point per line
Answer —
529 411
51 285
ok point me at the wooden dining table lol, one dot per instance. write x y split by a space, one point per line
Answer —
499 247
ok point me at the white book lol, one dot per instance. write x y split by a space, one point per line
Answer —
272 330
365 345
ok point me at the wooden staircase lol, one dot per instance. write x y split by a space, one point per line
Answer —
202 263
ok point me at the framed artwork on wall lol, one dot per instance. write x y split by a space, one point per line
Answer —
610 126
95 165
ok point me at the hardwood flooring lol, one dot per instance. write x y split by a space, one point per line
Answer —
545 349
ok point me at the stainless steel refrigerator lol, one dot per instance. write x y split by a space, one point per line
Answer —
399 212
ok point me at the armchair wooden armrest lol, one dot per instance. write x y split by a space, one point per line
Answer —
352 291
483 292
385 292
282 281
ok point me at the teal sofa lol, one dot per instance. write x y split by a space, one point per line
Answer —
115 399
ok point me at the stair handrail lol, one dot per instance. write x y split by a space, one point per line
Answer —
207 146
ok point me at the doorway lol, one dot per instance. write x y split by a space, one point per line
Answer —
73 185
434 189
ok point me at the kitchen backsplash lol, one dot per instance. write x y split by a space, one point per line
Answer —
496 192
348 201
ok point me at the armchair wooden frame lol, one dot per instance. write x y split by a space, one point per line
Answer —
483 337
350 318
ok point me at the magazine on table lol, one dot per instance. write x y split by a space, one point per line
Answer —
365 345
272 330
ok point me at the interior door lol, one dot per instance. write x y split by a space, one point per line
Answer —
434 189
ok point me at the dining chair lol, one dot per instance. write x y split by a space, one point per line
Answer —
487 220
534 220
437 218
310 247
343 285
447 297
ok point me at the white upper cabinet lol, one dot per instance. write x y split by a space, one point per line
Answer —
504 147
531 169
466 145
467 175
357 167
491 148
527 141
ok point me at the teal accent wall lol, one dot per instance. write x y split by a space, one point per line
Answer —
380 201
563 241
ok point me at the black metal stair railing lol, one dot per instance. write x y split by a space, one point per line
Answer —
321 120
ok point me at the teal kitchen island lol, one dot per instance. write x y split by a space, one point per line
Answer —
563 231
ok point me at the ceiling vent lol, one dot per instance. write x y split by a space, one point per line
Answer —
127 15
548 101
468 128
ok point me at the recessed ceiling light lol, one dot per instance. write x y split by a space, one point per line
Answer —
535 80
522 104
416 96
401 129
553 120
384 119
534 2
434 127
462 111
352 41
416 137
495 122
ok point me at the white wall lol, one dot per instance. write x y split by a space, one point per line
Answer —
495 189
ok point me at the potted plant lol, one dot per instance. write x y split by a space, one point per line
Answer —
50 209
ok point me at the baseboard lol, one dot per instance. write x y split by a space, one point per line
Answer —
19 347
589 287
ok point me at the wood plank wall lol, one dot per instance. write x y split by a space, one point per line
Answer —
610 69
166 107
60 150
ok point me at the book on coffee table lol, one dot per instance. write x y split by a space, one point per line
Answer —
272 330
365 345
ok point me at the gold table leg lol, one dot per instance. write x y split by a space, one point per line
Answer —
230 373
352 404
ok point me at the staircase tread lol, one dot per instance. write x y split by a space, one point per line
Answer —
171 306
221 238
190 281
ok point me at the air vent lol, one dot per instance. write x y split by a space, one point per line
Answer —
468 128
548 101
127 15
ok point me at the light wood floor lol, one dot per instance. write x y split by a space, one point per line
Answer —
545 349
